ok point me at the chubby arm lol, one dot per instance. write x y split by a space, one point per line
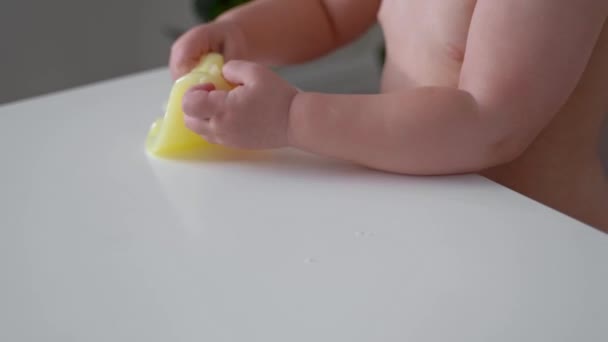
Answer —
280 32
523 59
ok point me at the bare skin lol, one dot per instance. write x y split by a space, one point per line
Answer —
514 90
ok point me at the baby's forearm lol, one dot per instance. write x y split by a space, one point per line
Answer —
279 32
423 131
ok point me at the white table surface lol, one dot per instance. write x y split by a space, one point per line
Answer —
99 242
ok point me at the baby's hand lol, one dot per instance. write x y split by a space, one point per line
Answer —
254 115
224 37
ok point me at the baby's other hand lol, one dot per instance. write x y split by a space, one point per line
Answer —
223 37
254 115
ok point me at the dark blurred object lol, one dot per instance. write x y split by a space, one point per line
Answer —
208 10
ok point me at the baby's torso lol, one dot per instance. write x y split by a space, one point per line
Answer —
426 44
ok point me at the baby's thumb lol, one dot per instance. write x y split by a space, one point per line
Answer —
241 72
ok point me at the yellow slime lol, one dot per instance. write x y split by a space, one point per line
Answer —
168 136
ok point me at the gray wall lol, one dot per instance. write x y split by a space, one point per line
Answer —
52 45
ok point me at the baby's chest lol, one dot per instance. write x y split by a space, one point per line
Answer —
427 27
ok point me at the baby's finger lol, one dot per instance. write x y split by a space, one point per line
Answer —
199 126
242 72
196 103
186 51
217 101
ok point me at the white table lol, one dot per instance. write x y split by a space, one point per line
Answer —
99 242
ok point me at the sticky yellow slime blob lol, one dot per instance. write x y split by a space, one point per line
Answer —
168 136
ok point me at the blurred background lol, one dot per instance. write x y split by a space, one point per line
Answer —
53 45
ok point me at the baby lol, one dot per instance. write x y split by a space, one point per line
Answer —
515 90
